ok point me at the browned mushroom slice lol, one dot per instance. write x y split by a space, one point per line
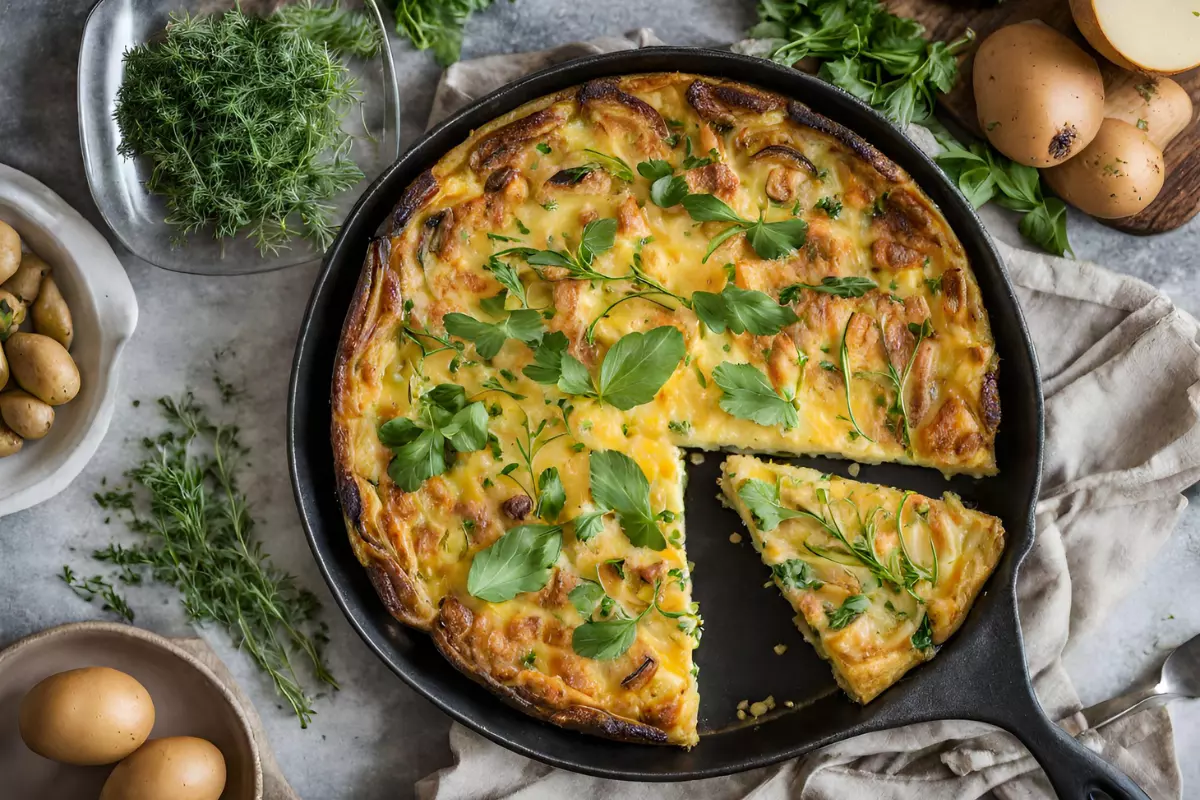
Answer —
721 103
499 180
418 193
788 155
613 110
803 115
501 145
431 235
642 675
585 179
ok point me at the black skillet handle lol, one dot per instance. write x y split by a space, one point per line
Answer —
1075 772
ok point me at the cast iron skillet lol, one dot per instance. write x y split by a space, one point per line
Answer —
980 673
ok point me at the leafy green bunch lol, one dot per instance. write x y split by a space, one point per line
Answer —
879 57
983 175
198 536
240 119
447 425
437 24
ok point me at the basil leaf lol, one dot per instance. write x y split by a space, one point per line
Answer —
638 365
741 310
398 432
604 640
796 573
615 166
588 524
419 460
655 169
551 495
575 378
618 483
851 609
774 240
547 359
507 275
523 324
585 597
707 208
922 638
1046 226
668 191
519 561
449 397
978 185
747 394
468 429
762 499
838 287
598 237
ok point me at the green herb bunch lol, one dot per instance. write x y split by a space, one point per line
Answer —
199 538
878 57
240 118
437 24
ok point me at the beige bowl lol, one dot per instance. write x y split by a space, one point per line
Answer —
188 700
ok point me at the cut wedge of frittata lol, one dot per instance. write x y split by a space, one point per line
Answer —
878 577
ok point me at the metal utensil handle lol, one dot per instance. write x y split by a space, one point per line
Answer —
1075 772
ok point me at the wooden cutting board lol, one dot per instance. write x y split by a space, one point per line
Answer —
947 19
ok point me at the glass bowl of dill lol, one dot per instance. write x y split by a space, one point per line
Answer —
227 138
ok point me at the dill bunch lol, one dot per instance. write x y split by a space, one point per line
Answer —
241 118
437 24
199 531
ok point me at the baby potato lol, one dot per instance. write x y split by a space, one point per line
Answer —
3 368
42 367
12 310
27 280
177 767
28 417
1117 175
10 251
51 316
10 443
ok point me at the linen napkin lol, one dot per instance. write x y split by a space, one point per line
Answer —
1121 372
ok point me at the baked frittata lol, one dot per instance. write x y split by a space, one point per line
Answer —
878 577
586 286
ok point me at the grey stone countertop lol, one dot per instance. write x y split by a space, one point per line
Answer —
375 737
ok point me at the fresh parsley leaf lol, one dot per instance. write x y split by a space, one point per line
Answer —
418 460
495 305
506 274
741 310
398 432
588 524
775 240
519 561
523 324
796 573
618 483
668 191
547 359
762 499
655 168
638 365
616 167
575 378
851 609
468 430
606 639
544 148
419 447
831 206
747 394
838 287
585 597
551 495
598 237
708 208
922 638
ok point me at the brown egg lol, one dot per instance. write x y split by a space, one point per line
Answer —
178 767
88 716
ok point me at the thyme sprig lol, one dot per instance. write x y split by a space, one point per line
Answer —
898 409
199 537
97 587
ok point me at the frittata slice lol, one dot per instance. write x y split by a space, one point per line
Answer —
878 577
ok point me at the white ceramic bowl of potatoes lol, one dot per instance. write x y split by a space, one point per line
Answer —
58 375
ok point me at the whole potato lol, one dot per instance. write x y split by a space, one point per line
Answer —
12 310
51 316
26 281
10 251
1117 175
1040 97
42 367
10 443
29 417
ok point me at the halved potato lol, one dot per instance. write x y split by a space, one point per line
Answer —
1161 36
1158 106
1040 98
1117 175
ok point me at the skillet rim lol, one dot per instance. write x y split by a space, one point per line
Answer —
826 100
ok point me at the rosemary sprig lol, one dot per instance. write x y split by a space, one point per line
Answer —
899 380
199 538
844 354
